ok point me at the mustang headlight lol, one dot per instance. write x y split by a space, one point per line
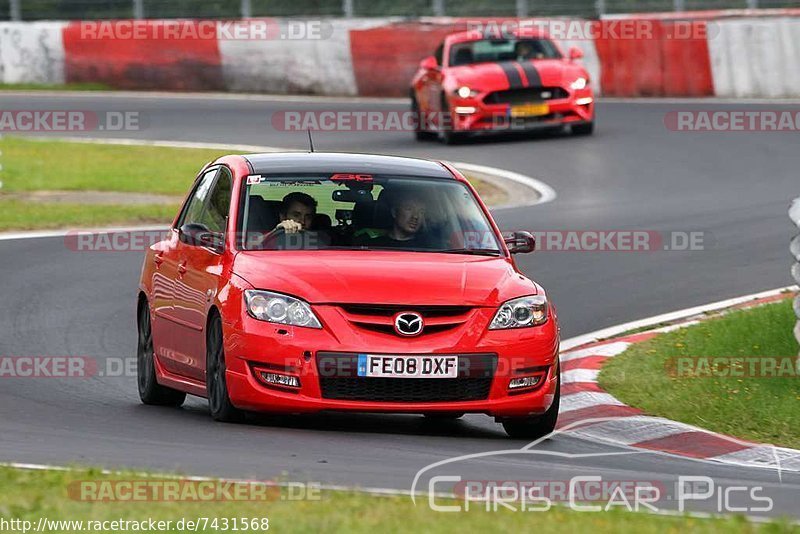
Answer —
520 313
278 308
466 92
580 83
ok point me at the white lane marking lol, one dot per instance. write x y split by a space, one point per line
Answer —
587 399
609 350
579 375
612 331
546 193
7 236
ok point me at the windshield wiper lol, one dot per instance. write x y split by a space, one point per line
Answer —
471 251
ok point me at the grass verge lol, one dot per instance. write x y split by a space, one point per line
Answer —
56 495
36 165
758 408
16 215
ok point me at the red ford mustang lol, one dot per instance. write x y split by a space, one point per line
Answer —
475 84
308 282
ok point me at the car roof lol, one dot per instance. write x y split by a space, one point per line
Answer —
338 162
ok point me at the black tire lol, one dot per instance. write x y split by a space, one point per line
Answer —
219 402
446 133
420 134
150 391
583 129
443 416
537 426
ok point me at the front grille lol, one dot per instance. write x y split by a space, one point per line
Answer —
427 312
339 380
525 95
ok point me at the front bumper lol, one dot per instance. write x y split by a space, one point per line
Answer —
476 116
252 344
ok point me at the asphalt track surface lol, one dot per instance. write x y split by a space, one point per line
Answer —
634 174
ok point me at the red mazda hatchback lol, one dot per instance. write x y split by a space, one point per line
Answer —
300 283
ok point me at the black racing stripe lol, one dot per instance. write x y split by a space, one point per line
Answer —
514 79
534 80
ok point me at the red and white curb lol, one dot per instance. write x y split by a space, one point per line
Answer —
609 420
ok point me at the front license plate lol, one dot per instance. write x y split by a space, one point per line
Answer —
530 110
374 365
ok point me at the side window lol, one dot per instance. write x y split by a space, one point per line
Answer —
194 209
219 202
438 54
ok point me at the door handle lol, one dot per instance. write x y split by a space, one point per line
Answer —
182 267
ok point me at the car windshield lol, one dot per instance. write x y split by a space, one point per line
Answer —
495 50
364 212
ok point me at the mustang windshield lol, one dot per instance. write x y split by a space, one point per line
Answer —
364 212
496 50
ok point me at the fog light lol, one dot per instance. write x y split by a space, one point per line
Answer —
524 382
584 101
271 378
465 110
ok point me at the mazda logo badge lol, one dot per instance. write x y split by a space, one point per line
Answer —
408 323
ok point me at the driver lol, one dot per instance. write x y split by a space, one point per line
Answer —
524 51
297 212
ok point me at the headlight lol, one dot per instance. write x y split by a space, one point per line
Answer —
580 83
521 313
282 309
466 92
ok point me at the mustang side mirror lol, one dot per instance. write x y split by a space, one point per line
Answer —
429 63
575 53
520 242
198 235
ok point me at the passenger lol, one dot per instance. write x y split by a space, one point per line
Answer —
408 222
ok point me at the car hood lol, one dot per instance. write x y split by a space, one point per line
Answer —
379 277
492 77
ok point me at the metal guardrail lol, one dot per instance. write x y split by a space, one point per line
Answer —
164 9
794 247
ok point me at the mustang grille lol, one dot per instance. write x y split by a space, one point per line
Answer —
525 95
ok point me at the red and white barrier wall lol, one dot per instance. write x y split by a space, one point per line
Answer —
727 54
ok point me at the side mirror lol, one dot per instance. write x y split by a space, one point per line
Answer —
575 53
429 63
198 235
520 242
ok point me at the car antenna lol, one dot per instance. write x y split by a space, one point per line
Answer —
310 141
